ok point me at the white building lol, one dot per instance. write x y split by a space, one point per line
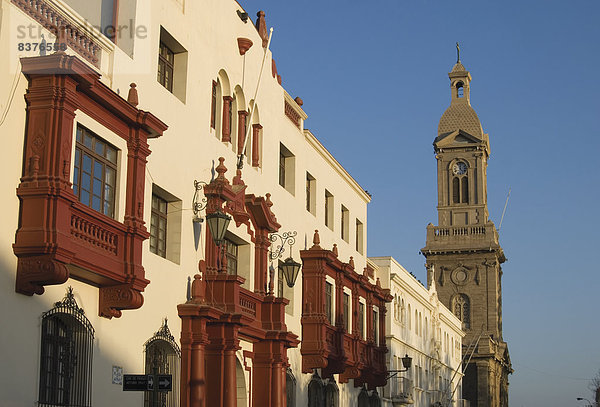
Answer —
420 326
77 151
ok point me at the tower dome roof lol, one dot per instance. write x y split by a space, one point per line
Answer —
460 116
458 67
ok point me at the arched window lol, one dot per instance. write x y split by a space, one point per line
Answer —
416 322
455 190
162 357
409 317
363 398
459 89
464 182
316 393
290 388
331 394
402 311
66 355
374 400
461 306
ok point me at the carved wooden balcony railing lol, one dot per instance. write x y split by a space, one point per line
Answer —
331 347
59 237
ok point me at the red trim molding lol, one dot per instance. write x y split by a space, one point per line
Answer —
58 237
221 307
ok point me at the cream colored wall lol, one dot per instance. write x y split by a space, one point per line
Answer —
186 152
405 339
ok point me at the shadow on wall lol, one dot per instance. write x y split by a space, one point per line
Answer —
20 341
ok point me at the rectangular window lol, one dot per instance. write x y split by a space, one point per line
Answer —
347 312
166 62
375 327
361 320
345 220
359 237
281 169
231 254
172 65
286 169
95 172
329 301
328 210
165 224
158 226
310 193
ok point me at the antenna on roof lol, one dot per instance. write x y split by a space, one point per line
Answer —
240 163
504 210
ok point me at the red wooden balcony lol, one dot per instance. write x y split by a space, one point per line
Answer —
59 237
332 348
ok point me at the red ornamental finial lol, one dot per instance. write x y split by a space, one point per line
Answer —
335 250
221 169
132 96
261 27
316 240
268 200
351 262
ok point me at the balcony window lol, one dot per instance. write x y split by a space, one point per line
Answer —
361 319
347 312
95 172
329 302
231 257
375 326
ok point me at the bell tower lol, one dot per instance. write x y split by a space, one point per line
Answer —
464 250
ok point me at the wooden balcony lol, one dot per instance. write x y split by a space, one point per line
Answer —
59 237
331 347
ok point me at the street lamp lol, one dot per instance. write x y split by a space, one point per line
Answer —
403 394
217 224
290 268
406 362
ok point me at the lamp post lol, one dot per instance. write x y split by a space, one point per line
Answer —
401 398
290 268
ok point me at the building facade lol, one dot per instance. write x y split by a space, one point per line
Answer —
464 250
126 129
421 327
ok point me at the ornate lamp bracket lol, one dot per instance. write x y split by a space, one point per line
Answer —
198 203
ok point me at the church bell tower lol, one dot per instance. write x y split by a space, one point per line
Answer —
464 251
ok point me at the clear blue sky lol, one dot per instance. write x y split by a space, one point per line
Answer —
373 77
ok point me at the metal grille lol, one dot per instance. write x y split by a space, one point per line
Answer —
162 357
66 364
